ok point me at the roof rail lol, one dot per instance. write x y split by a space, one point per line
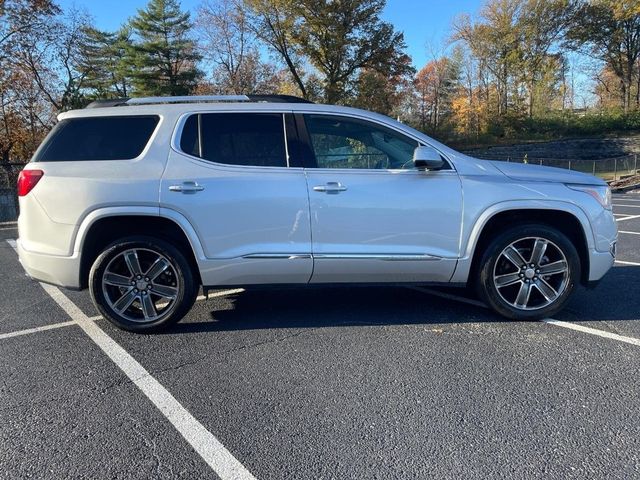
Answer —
111 102
188 99
121 102
278 99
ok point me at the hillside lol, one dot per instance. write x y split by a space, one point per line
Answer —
574 149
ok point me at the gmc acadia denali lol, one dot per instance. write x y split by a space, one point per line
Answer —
144 201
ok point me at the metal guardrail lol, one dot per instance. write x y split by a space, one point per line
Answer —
607 168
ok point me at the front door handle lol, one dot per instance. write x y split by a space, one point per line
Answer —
186 187
330 187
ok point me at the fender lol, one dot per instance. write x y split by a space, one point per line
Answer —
172 215
468 249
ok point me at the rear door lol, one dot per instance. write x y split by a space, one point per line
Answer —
232 176
374 217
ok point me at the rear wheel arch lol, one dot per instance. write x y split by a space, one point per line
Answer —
561 220
105 230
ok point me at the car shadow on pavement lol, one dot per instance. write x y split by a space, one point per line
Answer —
317 307
617 297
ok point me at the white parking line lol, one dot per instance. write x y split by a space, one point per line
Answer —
623 262
593 331
28 331
550 321
629 233
630 217
52 326
221 461
223 293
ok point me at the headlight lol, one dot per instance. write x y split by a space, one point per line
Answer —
601 193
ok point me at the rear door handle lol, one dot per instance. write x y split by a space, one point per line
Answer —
186 187
330 187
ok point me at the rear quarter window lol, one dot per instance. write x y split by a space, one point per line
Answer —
97 138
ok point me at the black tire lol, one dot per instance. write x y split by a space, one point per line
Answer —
494 267
177 279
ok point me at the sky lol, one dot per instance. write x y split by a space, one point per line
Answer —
425 23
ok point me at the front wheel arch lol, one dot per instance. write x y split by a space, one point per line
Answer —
565 222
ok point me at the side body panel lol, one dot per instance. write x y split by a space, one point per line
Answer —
395 226
252 222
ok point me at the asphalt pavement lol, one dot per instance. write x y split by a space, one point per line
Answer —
317 383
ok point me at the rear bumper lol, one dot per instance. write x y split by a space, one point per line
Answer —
53 269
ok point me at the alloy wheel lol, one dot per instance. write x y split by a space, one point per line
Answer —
531 273
141 285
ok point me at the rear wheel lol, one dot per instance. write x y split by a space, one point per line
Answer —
528 272
142 284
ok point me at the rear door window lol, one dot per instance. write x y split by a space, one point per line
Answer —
248 139
98 138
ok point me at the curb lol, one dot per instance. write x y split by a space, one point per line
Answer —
628 188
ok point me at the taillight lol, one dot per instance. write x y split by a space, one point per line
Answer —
27 180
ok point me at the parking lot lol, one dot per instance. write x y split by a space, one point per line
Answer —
323 383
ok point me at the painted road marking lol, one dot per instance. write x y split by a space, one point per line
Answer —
223 293
53 326
623 262
593 331
221 461
627 232
36 330
550 321
630 217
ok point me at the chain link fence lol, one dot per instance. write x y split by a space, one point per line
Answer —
605 168
8 199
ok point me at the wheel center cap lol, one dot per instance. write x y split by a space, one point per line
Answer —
142 285
529 273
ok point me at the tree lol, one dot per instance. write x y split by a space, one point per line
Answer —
339 39
164 58
229 43
435 84
24 117
609 30
542 24
104 61
495 42
273 22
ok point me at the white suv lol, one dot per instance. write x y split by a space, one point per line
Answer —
144 201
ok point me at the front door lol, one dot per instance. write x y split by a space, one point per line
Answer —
374 217
232 178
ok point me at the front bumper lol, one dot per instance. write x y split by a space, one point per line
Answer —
600 263
53 269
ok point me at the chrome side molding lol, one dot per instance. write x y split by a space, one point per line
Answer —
343 256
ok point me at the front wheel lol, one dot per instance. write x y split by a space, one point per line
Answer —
142 284
528 272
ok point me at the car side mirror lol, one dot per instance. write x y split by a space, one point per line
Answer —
427 158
